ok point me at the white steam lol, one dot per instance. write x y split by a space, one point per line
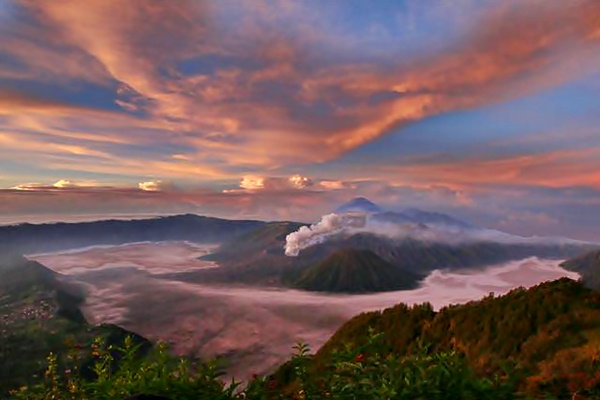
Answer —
330 224
351 223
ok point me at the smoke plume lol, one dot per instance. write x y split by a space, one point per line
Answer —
436 232
329 225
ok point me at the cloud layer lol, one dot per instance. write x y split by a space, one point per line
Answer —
194 105
256 93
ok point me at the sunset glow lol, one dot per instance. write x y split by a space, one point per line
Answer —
282 109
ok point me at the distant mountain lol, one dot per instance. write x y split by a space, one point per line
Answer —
355 271
358 205
588 266
409 215
257 257
417 216
422 257
266 239
34 238
39 311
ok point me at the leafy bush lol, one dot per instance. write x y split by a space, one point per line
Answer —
359 373
117 373
538 344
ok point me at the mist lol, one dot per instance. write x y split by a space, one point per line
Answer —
347 224
254 328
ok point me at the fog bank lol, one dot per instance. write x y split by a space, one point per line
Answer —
253 327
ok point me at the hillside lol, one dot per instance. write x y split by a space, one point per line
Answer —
355 271
40 314
551 332
38 238
264 240
542 343
257 256
19 277
588 266
425 256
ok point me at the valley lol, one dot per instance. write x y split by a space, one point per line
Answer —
299 200
142 287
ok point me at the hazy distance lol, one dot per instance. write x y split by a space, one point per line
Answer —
249 325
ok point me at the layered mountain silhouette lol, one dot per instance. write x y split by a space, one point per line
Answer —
252 252
405 216
37 238
257 257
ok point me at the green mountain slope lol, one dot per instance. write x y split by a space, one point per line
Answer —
40 314
552 332
588 266
19 277
354 271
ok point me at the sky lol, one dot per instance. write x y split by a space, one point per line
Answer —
487 110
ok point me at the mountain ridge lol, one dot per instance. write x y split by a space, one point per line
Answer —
257 257
355 271
41 314
39 238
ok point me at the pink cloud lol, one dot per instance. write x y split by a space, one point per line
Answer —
156 186
232 112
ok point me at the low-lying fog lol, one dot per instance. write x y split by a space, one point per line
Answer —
254 327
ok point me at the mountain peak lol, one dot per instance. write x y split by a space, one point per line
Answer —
359 204
355 271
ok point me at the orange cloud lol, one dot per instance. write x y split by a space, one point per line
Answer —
286 108
62 184
557 169
156 186
256 183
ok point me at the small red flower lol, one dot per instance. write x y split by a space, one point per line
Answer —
359 358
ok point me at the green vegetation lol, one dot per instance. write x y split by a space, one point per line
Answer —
551 333
354 374
40 314
541 343
355 271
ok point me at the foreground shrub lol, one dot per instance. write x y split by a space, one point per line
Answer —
117 372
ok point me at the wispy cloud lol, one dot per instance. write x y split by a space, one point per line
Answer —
272 90
555 169
237 98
